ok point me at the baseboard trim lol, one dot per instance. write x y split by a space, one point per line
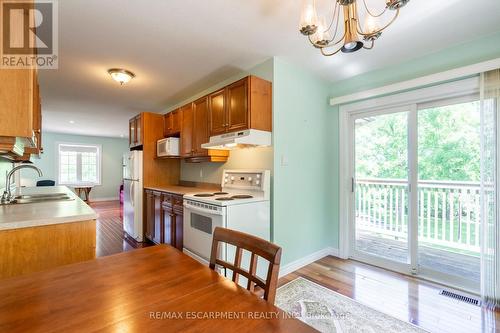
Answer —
105 199
297 264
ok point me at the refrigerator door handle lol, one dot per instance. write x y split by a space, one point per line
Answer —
131 166
132 193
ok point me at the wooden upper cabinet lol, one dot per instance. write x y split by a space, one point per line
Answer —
37 121
20 108
167 124
138 131
176 121
237 106
200 128
186 148
135 133
245 104
172 123
17 102
131 132
194 133
217 107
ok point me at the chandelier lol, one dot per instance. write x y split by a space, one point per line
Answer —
348 36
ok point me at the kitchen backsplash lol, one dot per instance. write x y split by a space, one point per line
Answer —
5 166
247 158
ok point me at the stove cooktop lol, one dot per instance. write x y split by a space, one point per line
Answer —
223 198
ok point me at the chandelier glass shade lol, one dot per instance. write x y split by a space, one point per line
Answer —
350 26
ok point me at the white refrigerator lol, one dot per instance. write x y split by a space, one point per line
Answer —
132 194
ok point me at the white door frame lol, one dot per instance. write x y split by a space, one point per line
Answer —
353 253
403 101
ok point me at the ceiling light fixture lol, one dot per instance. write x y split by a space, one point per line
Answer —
121 75
343 31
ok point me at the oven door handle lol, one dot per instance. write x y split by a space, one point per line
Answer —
201 210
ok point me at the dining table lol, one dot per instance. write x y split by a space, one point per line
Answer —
152 289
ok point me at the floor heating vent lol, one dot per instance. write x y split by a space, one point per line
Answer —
461 298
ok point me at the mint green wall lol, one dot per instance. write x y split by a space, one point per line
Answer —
305 210
112 152
472 52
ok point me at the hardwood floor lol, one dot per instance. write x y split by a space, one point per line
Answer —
109 229
403 297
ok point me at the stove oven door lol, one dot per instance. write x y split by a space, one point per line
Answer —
200 221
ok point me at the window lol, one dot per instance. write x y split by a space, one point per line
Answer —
79 164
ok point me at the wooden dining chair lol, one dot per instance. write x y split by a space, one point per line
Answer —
258 247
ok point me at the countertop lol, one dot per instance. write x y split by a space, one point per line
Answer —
45 213
181 190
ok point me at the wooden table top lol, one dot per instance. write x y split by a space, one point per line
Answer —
156 288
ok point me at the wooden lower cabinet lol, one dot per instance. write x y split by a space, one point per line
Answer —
179 226
164 218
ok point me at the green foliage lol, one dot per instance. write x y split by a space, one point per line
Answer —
448 144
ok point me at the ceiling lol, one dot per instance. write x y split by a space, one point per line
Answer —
180 47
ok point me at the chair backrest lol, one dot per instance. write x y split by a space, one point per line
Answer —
45 182
258 248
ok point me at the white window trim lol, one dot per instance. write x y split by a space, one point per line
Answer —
99 163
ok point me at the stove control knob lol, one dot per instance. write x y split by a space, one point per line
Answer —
232 178
257 182
258 176
249 179
225 180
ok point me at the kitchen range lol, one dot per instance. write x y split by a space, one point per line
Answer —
243 204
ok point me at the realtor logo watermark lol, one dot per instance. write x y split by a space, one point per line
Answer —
29 33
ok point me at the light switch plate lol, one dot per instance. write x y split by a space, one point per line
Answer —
284 160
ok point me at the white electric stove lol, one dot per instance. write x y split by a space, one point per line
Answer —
243 204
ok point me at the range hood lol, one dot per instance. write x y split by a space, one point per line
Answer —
240 139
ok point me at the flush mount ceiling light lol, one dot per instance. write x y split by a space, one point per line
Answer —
343 31
121 75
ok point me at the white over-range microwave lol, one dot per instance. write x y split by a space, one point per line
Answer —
167 147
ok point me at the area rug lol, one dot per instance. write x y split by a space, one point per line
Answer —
328 311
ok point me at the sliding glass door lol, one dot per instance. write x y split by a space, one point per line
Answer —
381 185
449 190
416 190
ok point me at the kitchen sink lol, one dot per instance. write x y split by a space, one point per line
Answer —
37 198
41 196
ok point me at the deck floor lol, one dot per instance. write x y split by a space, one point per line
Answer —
430 257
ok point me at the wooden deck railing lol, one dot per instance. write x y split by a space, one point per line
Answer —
448 211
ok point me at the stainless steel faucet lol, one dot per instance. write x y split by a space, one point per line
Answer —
7 195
